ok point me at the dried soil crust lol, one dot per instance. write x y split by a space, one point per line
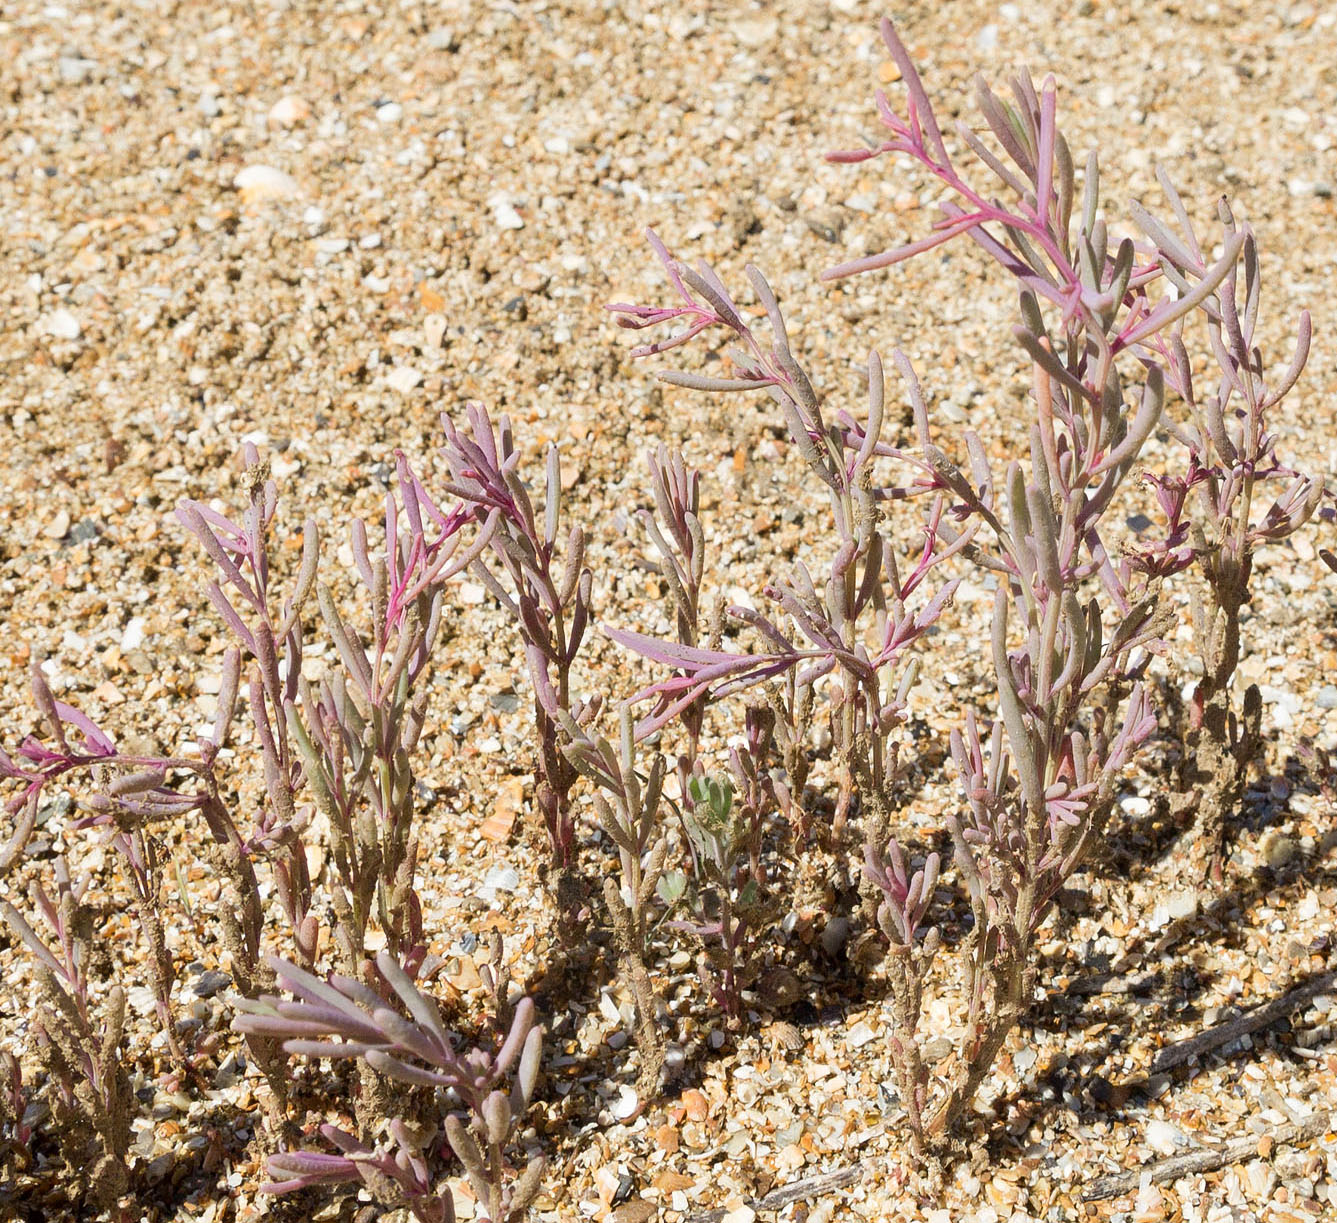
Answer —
451 193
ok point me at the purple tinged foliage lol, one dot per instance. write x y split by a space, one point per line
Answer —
344 1018
549 603
399 1161
1074 621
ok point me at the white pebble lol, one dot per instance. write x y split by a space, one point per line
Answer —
503 211
1164 1138
62 325
289 111
391 112
133 637
859 1035
434 330
756 31
259 184
403 378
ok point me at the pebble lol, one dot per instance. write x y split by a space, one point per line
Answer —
390 112
132 637
74 69
1278 850
59 526
1163 1137
261 184
859 1035
209 982
626 1104
62 325
1327 697
503 211
142 999
403 378
502 878
434 330
289 111
835 934
756 32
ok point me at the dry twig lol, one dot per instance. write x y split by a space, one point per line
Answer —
1208 1159
1251 1021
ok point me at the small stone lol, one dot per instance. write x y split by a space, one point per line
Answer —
108 693
1262 1179
59 526
133 636
74 69
209 106
888 71
503 211
827 223
289 111
62 325
859 1035
695 1104
210 982
743 1214
756 32
142 999
1182 905
403 378
433 330
1327 697
265 184
1279 850
937 1049
1164 1138
627 1103
389 112
502 878
835 934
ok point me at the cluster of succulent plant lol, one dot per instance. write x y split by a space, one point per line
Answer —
706 839
1073 625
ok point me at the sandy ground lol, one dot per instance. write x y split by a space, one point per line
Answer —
318 226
